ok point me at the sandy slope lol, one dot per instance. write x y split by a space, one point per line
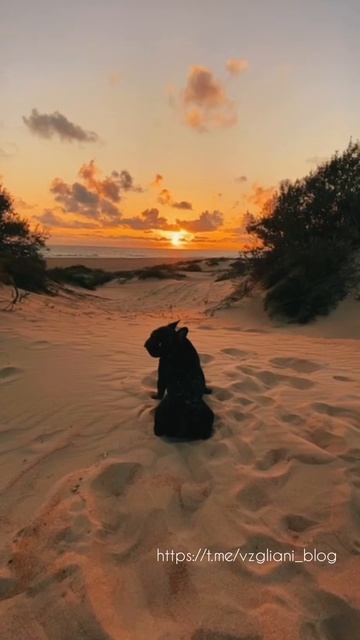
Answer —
88 494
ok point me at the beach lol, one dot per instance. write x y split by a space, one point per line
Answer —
91 500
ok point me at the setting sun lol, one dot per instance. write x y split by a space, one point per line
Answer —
178 238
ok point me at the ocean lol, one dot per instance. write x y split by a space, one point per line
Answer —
83 251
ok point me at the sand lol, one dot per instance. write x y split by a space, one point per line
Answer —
89 495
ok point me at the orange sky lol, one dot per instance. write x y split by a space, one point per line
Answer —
125 123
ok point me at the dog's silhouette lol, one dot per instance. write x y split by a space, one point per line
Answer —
182 413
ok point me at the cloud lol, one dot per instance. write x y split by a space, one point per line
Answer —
259 195
19 203
166 198
111 186
207 221
114 78
91 202
92 197
204 102
149 219
235 66
246 219
51 219
46 125
158 180
241 179
183 204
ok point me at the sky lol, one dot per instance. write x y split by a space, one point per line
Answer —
163 123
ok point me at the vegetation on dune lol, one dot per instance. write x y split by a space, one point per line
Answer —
21 262
310 232
87 278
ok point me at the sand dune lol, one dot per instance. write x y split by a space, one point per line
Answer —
89 495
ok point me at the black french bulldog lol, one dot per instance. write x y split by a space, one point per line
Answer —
182 413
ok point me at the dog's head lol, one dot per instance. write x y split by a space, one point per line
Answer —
164 340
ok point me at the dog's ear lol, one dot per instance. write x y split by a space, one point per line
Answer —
182 333
173 325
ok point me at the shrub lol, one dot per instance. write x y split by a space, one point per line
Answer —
20 249
310 232
80 276
314 283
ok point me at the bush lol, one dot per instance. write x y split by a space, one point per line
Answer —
314 283
29 273
310 232
21 262
80 276
191 266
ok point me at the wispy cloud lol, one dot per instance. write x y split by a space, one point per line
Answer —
207 221
236 66
166 198
149 219
50 219
259 195
115 79
158 180
204 101
48 125
111 186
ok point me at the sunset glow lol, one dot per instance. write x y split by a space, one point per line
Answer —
178 238
121 142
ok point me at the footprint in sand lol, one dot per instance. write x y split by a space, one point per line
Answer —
292 418
236 353
149 380
222 394
193 495
243 401
231 374
205 358
238 415
253 497
273 457
115 478
265 401
8 374
248 385
298 523
40 344
324 438
336 411
270 379
342 625
208 634
299 365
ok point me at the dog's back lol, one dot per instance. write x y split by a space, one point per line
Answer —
182 413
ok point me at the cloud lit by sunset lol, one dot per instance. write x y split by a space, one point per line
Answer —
133 132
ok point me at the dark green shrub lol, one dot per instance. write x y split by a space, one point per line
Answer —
310 232
21 262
